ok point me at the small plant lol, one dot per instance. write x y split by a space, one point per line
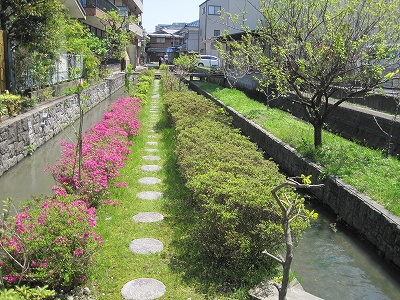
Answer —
30 149
26 293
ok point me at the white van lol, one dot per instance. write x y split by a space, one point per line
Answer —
209 61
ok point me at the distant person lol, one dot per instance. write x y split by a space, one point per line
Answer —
160 60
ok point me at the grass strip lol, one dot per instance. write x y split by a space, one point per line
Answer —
364 168
115 264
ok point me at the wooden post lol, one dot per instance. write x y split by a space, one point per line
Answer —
2 61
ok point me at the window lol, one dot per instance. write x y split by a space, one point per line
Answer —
160 40
214 10
217 32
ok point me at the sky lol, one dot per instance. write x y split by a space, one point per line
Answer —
169 11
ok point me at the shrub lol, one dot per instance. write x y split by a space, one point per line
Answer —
231 183
105 147
12 103
51 242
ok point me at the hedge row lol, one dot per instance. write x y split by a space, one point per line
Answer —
230 182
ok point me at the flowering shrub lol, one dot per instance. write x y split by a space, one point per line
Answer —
104 148
51 242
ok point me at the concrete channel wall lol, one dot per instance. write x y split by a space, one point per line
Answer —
353 122
372 221
21 135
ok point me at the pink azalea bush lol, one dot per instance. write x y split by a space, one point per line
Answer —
105 148
51 242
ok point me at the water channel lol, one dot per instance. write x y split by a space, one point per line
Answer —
330 265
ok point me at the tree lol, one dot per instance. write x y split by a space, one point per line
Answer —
32 24
319 49
117 34
291 209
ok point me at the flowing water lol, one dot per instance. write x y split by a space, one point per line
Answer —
331 265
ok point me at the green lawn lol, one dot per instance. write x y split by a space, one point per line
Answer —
364 168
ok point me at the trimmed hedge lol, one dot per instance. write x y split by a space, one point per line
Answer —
230 182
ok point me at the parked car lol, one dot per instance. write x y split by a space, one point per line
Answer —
209 61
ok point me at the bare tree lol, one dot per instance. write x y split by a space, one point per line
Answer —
291 209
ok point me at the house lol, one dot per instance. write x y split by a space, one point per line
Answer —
213 21
191 37
166 39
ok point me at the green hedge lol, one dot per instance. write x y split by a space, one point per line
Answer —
230 183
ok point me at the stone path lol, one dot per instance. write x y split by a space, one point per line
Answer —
148 288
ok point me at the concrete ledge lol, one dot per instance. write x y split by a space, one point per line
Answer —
372 221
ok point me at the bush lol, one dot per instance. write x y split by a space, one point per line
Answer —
12 104
231 183
51 243
105 147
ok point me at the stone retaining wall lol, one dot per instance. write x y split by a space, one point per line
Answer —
371 220
21 135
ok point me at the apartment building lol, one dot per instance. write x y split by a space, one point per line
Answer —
213 21
94 9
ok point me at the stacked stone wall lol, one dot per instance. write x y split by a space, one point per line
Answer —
21 135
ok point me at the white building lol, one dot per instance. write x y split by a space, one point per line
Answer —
214 21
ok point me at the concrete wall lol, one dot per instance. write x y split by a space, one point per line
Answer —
28 131
372 221
350 121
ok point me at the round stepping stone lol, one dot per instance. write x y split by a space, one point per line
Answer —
155 96
148 217
152 143
150 168
143 289
149 195
151 136
152 150
149 180
146 246
151 157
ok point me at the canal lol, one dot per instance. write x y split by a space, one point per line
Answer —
330 265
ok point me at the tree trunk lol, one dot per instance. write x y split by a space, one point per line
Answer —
288 259
317 134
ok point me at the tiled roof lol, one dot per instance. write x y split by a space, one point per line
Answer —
193 24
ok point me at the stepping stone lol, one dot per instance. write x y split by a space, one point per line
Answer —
151 157
151 150
148 217
143 289
151 136
146 246
152 143
149 195
150 168
152 130
155 96
149 180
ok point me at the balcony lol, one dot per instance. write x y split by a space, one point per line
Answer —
103 5
75 9
136 29
135 6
